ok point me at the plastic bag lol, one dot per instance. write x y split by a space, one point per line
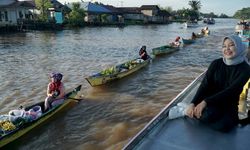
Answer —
177 111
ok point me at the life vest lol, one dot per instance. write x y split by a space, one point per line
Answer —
55 86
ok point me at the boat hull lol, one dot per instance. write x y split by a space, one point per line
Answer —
164 50
188 41
245 36
103 79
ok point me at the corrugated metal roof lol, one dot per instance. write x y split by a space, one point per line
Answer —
27 4
91 7
149 7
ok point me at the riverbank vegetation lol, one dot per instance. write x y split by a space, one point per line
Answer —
243 14
51 13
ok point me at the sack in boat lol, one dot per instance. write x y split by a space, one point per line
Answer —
139 60
177 111
20 116
34 113
57 102
17 116
4 117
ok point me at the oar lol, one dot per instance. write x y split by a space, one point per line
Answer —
76 99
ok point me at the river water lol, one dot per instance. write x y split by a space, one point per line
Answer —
112 114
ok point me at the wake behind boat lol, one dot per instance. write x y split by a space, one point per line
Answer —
11 132
117 72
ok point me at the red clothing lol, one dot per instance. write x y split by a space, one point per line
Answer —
55 86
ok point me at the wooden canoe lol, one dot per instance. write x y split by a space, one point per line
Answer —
200 35
117 72
184 133
191 24
27 127
166 49
207 32
188 41
245 36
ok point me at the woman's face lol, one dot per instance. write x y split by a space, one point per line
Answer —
228 49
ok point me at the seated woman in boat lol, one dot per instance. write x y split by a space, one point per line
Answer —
176 42
193 37
55 91
216 100
143 53
202 32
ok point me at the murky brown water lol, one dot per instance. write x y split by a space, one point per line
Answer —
111 114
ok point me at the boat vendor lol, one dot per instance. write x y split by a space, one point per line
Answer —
55 91
176 42
193 37
143 53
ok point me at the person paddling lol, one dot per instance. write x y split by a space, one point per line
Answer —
55 91
176 42
143 53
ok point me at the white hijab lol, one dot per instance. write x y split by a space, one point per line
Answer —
240 49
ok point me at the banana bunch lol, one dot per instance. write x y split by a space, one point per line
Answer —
7 125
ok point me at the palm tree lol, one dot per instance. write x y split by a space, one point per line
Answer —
195 5
194 12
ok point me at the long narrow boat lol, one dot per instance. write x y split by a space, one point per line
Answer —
191 24
27 127
188 41
117 72
209 21
183 133
200 35
244 34
166 49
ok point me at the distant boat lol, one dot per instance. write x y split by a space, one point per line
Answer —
209 21
205 33
117 72
245 37
243 25
188 41
243 31
192 24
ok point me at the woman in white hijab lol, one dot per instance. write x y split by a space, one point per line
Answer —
216 101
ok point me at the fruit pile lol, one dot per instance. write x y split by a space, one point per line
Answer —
6 125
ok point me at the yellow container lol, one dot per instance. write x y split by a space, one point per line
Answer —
243 98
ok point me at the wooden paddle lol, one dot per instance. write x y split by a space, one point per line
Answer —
75 99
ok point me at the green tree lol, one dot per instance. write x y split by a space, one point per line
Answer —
195 5
76 16
223 16
194 13
168 9
243 14
43 6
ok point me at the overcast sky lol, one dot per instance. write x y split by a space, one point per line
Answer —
228 7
